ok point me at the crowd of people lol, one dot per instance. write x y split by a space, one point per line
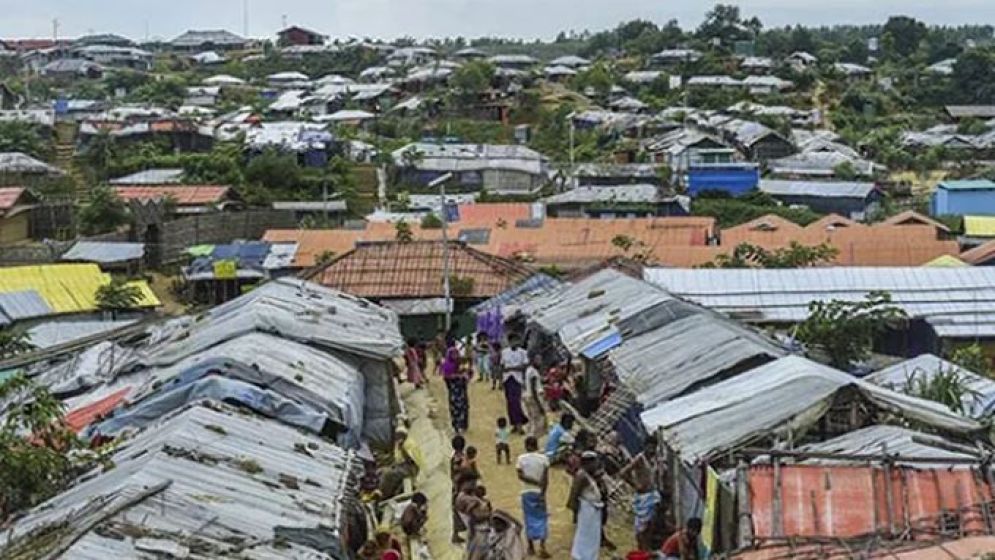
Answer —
530 395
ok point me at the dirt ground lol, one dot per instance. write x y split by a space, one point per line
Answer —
502 482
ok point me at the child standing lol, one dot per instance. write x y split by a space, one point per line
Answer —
470 463
501 436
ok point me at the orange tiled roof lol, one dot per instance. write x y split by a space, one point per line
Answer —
185 195
563 241
679 242
414 270
910 217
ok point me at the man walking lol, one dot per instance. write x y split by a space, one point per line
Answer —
642 473
533 399
533 471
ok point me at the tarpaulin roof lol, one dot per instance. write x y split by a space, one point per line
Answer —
54 333
535 285
890 440
784 396
691 351
204 479
324 382
977 402
295 310
591 309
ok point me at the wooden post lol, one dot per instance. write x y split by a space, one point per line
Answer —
889 499
675 477
745 536
777 523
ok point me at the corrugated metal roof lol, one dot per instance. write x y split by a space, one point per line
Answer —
535 286
104 252
54 333
593 308
473 157
27 304
979 226
957 302
891 440
151 177
229 483
967 185
296 310
281 255
980 402
19 163
823 189
10 196
663 363
618 194
782 397
216 37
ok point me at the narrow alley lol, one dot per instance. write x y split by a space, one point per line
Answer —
502 483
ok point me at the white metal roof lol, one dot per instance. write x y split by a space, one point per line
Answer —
774 400
957 302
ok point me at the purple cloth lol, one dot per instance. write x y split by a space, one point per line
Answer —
513 396
450 365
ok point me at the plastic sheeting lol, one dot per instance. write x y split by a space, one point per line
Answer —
782 397
264 402
233 481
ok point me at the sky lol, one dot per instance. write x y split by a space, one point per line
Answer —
388 19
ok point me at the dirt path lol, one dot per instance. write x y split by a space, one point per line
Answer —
502 481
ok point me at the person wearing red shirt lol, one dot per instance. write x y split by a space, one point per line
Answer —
683 545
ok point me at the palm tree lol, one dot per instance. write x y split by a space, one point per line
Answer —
118 296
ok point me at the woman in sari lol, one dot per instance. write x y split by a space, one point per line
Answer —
412 363
514 360
456 381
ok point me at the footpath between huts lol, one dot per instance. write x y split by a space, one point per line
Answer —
430 427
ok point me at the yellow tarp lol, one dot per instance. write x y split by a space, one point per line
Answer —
67 288
979 226
946 261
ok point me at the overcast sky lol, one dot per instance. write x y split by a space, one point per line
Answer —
425 18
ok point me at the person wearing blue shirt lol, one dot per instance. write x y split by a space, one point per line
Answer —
560 437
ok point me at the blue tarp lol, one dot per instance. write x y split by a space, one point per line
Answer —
264 402
534 285
733 179
602 346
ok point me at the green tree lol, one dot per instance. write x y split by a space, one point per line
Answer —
403 233
35 447
471 80
118 296
274 170
14 342
105 212
844 330
795 255
16 136
949 387
973 359
974 76
845 171
906 33
431 221
100 154
725 23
